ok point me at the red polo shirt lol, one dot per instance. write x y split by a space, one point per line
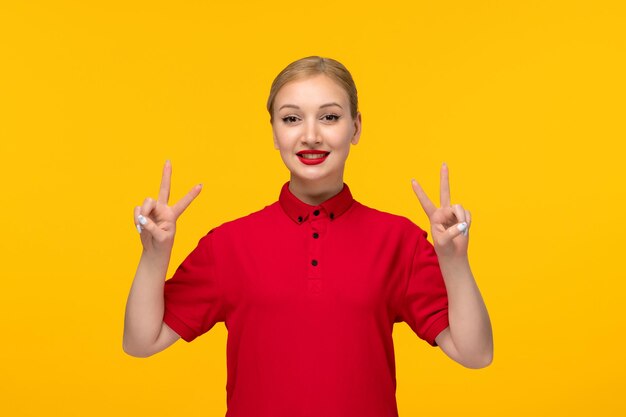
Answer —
309 295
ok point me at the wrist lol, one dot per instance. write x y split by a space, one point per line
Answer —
454 261
157 257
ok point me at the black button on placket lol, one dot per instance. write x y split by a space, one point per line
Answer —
317 220
315 236
300 219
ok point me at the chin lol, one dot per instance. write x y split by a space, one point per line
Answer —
308 177
312 177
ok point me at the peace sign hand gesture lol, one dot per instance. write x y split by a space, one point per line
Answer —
449 224
156 221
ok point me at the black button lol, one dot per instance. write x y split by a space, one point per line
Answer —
315 235
316 212
299 218
332 215
314 262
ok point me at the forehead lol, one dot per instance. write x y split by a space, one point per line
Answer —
312 90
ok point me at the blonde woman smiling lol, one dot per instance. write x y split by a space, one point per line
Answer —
310 286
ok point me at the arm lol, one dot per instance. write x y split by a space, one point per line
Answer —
145 333
468 338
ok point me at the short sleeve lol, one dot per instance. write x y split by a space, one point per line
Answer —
193 296
425 304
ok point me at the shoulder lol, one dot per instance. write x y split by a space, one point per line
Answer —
388 220
244 224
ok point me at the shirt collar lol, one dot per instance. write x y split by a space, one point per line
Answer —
299 211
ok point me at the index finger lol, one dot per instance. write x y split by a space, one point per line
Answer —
425 202
184 202
444 196
164 191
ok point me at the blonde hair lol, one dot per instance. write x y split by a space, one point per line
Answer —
314 65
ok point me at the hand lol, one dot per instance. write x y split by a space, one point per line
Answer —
156 221
450 239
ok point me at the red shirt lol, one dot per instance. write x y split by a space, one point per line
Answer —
309 295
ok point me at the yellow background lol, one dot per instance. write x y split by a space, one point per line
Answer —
523 100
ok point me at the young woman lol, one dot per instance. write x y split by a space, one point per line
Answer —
309 287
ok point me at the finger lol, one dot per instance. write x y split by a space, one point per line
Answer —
136 213
454 231
164 191
448 216
444 187
468 219
184 202
459 213
148 224
141 218
427 205
148 205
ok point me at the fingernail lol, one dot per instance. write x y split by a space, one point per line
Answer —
462 226
142 219
138 228
444 164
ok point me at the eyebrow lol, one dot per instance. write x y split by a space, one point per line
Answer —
321 107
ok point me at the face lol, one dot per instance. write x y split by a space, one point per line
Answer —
313 114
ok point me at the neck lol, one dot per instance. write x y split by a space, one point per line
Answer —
315 192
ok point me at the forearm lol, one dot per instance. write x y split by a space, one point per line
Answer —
470 327
144 308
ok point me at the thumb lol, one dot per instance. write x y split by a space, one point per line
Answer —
454 231
148 224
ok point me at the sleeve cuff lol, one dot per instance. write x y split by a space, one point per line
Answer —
436 327
186 333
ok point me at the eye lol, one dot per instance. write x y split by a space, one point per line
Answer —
330 117
289 119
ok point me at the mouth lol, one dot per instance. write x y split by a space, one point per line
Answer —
312 157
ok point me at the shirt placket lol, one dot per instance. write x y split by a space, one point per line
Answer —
317 226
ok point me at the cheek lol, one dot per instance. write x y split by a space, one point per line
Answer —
283 147
343 139
278 137
280 143
285 138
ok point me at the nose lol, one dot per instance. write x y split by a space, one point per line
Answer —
311 135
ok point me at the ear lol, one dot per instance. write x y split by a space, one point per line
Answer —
357 129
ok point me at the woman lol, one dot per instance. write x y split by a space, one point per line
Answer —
310 286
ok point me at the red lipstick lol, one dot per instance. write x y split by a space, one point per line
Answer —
310 160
